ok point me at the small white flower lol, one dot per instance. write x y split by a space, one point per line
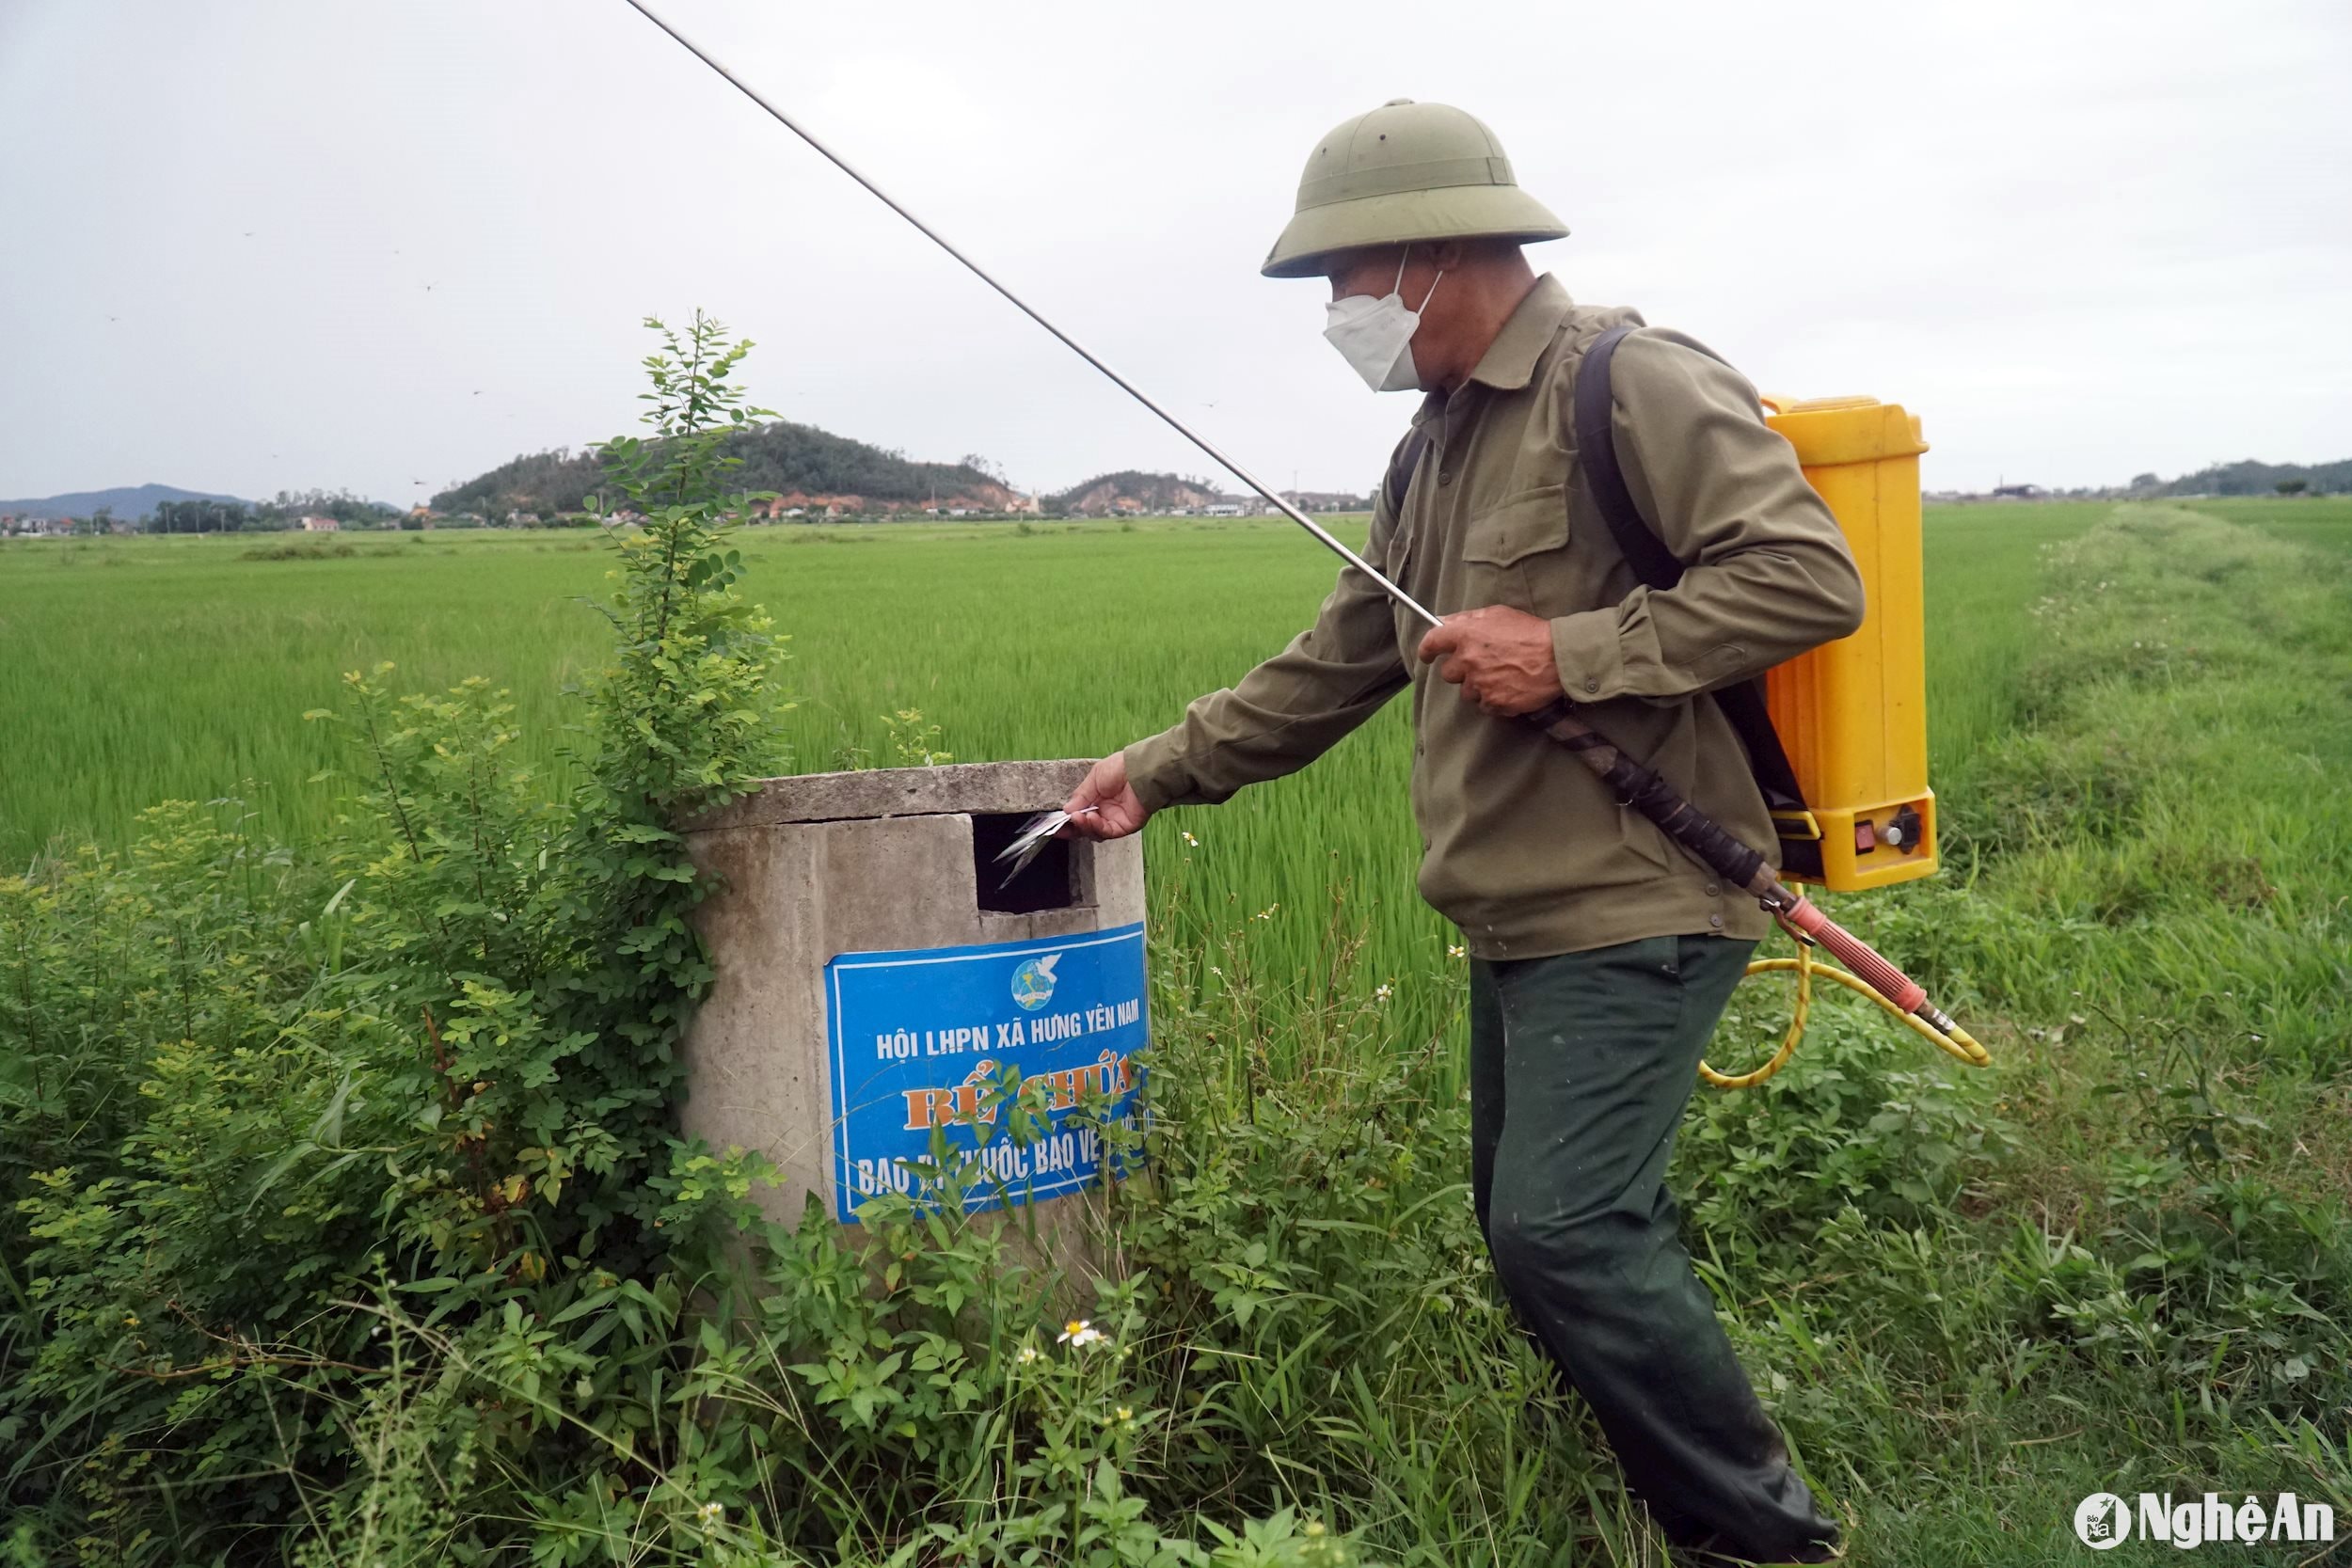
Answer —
1078 1333
709 1513
1028 1354
1385 991
1455 951
1191 841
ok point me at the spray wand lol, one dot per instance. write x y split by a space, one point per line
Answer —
1698 835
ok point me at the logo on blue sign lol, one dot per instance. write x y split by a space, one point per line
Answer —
929 1043
1033 982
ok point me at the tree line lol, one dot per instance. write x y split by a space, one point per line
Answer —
2250 478
282 510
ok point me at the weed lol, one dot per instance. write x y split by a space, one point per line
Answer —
299 549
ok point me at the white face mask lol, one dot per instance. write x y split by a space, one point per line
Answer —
1376 334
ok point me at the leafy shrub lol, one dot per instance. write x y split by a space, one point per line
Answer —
1866 1124
440 1053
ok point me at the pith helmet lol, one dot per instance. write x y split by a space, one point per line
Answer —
1406 171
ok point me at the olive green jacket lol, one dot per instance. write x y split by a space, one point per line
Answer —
1523 847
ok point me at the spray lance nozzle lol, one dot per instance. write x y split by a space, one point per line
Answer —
1031 839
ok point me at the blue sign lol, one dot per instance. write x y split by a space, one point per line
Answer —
921 1040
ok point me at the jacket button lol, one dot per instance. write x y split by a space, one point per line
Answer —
1716 921
1713 892
1445 476
1591 683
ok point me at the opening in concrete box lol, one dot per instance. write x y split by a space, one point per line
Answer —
1048 882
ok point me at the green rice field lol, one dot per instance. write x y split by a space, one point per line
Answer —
143 669
146 669
140 670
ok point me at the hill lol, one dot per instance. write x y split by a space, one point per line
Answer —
135 501
781 456
1130 490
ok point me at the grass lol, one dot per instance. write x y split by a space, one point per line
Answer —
2116 1261
2145 900
1984 565
2322 521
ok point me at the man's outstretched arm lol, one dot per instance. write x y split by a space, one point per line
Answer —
1280 717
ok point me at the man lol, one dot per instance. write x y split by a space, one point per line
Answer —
1601 956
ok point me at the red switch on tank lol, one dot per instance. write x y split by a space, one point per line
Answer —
1866 837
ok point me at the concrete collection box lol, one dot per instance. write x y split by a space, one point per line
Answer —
873 979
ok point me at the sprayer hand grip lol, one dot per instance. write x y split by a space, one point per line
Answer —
1700 836
1806 917
1706 841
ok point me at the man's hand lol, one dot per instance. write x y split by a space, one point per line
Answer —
1104 787
1501 658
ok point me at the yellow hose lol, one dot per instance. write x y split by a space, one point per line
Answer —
1957 1043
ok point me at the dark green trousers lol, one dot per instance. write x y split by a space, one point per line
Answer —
1580 1067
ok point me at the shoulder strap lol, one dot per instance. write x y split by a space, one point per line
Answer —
1402 463
1656 565
1597 456
1743 704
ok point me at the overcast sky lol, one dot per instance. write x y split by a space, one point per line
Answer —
263 243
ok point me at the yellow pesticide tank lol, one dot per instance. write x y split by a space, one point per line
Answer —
1852 714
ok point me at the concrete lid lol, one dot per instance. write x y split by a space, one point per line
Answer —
957 787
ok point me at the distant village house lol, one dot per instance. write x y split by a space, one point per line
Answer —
798 504
1326 500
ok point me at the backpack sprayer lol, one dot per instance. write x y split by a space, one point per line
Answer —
1878 809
